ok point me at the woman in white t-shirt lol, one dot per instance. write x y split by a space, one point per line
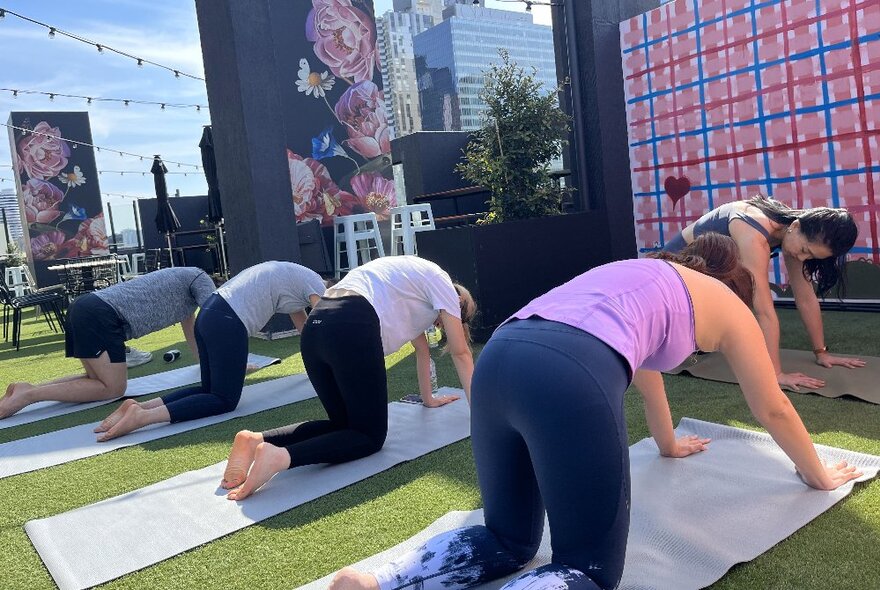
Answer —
377 308
237 310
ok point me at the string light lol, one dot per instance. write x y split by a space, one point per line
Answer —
95 147
99 46
136 172
89 99
124 196
530 3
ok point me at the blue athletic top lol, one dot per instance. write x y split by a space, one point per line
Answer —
717 220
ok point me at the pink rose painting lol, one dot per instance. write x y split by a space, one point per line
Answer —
62 209
315 195
344 38
49 245
92 237
362 110
41 201
373 192
40 156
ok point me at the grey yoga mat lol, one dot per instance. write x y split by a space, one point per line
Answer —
78 442
136 387
863 383
692 519
97 543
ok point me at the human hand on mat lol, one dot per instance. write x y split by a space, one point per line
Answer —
688 445
829 360
794 381
436 402
837 475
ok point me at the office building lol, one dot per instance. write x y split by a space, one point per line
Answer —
9 204
450 59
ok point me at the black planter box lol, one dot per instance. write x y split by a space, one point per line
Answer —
506 265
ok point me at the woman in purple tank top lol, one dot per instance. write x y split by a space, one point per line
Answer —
813 242
548 427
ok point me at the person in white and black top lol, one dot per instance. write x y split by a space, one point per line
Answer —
239 309
372 312
99 323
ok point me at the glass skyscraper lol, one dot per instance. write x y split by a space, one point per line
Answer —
9 203
450 59
395 31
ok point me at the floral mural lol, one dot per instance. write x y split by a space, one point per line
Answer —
60 202
342 169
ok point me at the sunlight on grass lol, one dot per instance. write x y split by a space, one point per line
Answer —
837 550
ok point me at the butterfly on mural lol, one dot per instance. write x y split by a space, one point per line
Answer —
676 188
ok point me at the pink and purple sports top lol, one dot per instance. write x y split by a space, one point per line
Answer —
640 308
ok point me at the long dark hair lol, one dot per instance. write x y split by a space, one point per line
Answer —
717 256
833 227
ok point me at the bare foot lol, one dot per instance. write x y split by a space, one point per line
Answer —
240 458
350 579
113 418
268 460
14 400
134 417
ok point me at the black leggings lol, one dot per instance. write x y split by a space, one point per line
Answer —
223 349
341 347
548 430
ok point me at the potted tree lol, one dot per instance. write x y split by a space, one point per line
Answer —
524 245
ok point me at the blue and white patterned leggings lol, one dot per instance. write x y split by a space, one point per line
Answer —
548 431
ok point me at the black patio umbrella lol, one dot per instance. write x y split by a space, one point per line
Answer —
6 230
215 208
166 220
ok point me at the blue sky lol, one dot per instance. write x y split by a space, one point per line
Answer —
164 31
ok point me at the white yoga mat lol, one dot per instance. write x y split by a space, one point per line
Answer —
692 519
136 387
98 543
78 442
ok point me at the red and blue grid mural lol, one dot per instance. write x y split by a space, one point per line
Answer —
730 98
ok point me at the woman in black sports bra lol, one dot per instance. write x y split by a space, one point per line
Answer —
813 243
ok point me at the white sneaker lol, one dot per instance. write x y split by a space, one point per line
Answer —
135 357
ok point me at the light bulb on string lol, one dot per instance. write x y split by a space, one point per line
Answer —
2 13
51 97
15 94
176 74
125 103
163 106
140 62
99 47
51 32
89 100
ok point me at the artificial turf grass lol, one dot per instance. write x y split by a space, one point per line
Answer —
340 528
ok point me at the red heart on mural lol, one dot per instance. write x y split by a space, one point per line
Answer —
676 188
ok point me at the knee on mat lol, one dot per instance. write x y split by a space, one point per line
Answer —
228 405
553 575
375 441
